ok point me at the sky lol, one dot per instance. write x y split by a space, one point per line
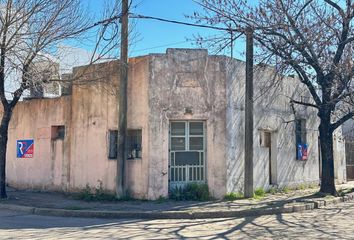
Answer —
152 36
155 36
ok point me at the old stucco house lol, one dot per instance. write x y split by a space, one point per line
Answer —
348 134
185 121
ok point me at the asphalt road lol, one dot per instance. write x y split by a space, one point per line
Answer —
336 222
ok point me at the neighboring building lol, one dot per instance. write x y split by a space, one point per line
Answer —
185 123
348 133
45 79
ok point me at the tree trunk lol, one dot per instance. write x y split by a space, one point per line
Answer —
326 142
3 146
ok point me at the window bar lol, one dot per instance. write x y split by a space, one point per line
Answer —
180 174
200 165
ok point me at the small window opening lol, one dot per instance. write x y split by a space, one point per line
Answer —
113 149
300 131
301 141
58 132
134 138
265 139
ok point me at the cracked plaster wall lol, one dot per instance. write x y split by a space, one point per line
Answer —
186 79
272 113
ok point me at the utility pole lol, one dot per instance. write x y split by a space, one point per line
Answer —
122 105
248 182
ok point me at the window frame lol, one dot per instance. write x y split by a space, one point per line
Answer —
187 136
58 132
128 145
114 144
300 137
300 131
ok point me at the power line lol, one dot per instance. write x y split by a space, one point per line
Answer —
229 29
132 15
108 21
103 22
139 16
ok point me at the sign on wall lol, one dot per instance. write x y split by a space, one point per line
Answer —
25 148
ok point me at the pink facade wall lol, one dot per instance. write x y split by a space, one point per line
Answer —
33 120
81 158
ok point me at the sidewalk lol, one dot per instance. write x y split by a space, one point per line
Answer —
58 204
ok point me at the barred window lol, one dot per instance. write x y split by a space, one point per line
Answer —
134 138
300 131
113 149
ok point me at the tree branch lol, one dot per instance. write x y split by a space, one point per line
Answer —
304 104
336 6
342 120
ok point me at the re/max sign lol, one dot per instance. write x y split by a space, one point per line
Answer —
25 148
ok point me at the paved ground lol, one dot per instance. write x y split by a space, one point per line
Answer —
335 222
59 200
58 204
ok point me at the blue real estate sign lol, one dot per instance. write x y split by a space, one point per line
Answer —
302 152
25 148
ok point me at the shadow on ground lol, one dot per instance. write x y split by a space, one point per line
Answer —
326 223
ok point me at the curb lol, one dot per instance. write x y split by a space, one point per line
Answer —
296 207
327 202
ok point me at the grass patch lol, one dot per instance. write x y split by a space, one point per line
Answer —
285 190
233 196
95 194
190 192
342 192
259 193
313 185
161 199
273 190
301 187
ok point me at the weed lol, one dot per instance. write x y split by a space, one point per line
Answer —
233 196
273 190
195 191
285 190
313 185
342 192
126 197
301 187
85 194
161 199
95 194
259 193
192 191
177 193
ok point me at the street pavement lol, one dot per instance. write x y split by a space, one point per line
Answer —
333 222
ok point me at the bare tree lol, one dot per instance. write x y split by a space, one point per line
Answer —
29 30
311 38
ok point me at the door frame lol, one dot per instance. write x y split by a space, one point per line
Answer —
202 171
